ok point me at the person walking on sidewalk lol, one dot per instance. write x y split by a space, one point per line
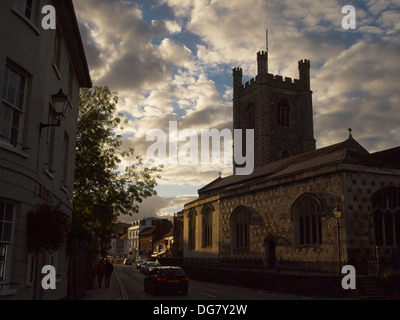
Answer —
100 272
108 270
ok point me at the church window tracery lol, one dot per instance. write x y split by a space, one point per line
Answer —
192 229
386 216
283 113
250 117
307 219
207 226
240 228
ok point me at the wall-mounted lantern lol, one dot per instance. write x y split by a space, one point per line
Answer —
60 102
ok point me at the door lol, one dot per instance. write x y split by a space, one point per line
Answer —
270 256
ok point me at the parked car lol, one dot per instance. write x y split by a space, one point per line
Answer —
143 266
150 266
166 279
139 263
128 261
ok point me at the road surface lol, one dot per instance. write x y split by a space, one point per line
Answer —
132 282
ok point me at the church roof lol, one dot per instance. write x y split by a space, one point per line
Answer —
348 151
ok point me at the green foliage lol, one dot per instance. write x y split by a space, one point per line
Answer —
102 191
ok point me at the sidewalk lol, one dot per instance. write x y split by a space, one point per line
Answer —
116 290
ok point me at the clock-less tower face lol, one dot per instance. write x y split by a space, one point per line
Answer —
278 109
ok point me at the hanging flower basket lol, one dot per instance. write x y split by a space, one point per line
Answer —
47 228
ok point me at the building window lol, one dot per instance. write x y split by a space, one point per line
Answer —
386 216
65 159
57 51
283 113
6 224
70 82
192 229
12 105
306 215
285 154
31 269
240 228
25 8
250 117
50 141
207 227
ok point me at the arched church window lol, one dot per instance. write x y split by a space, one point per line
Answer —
207 226
250 117
386 216
192 229
306 213
285 154
283 113
240 228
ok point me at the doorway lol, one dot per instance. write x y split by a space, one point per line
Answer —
270 252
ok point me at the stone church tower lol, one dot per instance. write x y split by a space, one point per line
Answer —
278 109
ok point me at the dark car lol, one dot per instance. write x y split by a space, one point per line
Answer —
139 263
150 266
166 279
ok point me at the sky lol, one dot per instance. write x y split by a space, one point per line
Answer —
172 60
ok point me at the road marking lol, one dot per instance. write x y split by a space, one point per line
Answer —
208 295
121 286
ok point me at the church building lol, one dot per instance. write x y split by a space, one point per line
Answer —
300 203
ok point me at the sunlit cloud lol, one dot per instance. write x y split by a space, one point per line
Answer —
172 61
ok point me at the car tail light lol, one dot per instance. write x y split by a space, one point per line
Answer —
185 279
159 279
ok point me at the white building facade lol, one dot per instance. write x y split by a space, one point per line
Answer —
133 235
36 163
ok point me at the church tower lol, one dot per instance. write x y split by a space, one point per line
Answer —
278 109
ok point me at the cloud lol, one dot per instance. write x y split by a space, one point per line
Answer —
158 206
120 45
171 68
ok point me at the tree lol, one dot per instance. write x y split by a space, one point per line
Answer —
102 190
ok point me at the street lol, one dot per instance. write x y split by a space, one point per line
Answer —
132 282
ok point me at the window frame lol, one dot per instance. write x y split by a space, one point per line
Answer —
33 18
283 113
250 116
207 229
240 229
307 220
5 262
192 229
14 139
386 217
57 52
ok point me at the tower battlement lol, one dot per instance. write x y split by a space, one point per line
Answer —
262 54
277 81
304 63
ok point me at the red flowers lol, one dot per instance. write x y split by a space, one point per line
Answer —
47 228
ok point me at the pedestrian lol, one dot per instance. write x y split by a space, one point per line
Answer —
100 272
108 270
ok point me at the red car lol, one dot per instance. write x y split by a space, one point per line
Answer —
166 279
